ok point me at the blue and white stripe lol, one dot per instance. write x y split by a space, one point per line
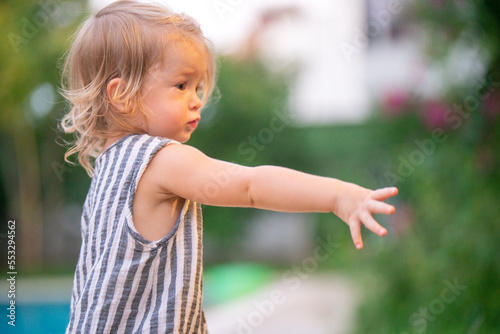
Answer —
123 282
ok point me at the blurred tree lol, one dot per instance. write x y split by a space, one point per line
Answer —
33 40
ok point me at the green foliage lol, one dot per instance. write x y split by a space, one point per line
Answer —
452 234
447 231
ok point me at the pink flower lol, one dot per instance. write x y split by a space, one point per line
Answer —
395 102
492 106
434 115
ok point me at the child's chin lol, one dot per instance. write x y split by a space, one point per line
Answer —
183 139
180 138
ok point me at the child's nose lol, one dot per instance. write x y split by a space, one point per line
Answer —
195 102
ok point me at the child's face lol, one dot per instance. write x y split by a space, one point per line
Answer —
171 92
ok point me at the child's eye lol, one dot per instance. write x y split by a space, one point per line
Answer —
181 86
200 91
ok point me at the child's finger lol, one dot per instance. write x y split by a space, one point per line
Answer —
355 227
371 224
384 193
380 207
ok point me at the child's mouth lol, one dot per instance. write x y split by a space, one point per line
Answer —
194 124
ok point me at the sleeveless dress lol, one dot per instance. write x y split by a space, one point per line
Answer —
124 283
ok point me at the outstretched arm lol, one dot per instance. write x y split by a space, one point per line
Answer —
188 173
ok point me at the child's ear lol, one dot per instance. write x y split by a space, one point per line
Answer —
112 91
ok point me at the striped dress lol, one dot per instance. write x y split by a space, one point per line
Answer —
124 283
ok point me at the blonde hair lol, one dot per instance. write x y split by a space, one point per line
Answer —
123 40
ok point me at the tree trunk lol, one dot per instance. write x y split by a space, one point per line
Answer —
29 225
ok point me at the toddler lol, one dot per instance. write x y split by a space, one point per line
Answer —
137 77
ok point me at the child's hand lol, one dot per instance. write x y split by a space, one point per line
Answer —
357 205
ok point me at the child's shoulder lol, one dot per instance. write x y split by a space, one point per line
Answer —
137 140
176 165
132 147
172 154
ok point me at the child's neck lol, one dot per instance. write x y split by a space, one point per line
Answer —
111 140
